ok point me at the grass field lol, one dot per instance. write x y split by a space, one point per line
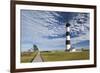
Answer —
27 56
64 56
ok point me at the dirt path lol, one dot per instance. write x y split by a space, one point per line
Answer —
38 58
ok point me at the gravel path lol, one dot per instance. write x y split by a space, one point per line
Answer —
38 58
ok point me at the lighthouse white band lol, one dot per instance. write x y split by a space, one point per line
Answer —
68 46
68 37
68 29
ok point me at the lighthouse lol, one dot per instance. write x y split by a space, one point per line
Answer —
68 45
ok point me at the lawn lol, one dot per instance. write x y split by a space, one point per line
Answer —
27 57
64 56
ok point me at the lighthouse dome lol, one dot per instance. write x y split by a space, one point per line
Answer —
67 25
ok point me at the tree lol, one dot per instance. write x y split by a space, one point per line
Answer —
35 48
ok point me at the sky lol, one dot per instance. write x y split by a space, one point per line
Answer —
46 29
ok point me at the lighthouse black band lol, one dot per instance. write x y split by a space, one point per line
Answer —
67 42
67 33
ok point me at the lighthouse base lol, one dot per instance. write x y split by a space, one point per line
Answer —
73 50
68 50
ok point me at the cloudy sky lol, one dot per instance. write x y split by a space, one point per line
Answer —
46 29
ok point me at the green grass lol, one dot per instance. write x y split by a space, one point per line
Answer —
64 56
27 57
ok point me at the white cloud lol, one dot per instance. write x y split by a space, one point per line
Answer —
79 39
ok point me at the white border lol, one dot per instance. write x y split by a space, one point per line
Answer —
53 64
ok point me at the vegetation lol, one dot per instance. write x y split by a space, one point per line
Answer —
64 56
27 56
35 48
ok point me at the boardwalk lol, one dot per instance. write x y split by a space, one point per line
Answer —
38 58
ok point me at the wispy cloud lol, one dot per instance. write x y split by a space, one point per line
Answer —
46 29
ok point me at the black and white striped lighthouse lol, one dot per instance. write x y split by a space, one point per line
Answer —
68 45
